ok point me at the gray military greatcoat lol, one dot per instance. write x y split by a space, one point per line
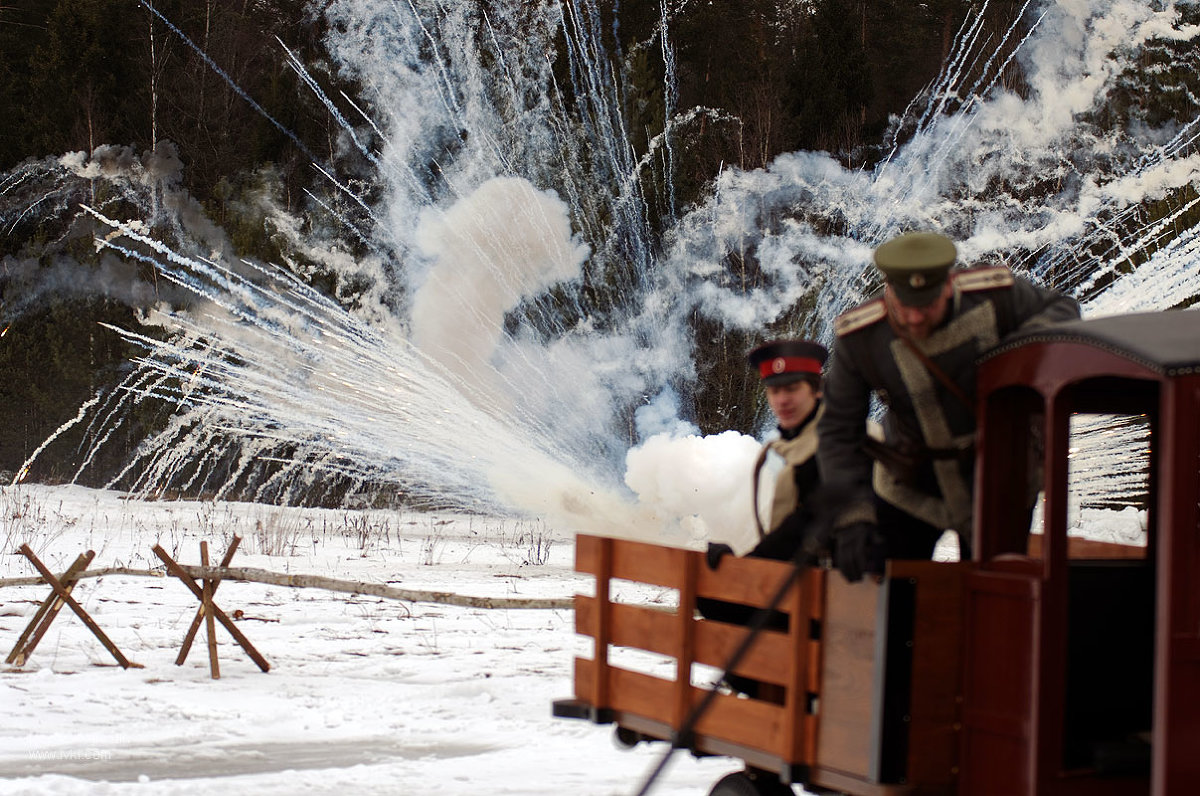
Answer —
927 422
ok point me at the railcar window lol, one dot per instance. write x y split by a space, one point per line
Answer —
1108 471
1109 476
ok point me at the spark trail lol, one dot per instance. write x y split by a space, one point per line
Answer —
276 365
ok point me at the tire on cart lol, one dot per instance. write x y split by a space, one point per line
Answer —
750 783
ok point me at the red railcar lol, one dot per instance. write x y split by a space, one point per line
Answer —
1047 664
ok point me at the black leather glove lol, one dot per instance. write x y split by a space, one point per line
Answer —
857 548
715 553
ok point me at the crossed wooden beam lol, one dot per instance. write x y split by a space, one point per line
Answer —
209 612
60 595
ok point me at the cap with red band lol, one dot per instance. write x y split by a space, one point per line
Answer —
783 361
771 367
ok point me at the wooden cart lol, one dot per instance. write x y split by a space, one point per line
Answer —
1046 665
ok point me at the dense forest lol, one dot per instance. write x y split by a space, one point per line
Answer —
209 92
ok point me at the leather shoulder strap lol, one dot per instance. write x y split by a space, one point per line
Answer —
860 317
974 279
758 465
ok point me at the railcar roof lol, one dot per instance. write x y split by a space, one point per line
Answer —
1166 342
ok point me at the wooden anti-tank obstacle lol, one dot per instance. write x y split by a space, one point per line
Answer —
209 612
60 595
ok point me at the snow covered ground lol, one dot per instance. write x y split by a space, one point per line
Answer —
364 694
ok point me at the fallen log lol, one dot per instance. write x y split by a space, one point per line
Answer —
253 575
376 589
99 572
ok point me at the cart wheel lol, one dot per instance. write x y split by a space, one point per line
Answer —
627 738
750 783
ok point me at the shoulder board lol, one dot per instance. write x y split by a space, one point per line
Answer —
983 278
859 317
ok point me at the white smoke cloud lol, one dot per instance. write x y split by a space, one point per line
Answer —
503 242
25 284
160 165
703 481
661 416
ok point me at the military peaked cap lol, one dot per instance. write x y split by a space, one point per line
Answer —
784 361
915 264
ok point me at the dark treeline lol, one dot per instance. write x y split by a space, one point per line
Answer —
76 74
79 74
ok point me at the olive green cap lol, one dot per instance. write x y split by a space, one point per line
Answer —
915 264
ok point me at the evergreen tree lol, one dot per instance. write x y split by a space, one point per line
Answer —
83 89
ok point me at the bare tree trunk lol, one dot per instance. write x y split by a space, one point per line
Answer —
153 102
153 79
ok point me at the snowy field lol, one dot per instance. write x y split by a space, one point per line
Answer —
364 694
